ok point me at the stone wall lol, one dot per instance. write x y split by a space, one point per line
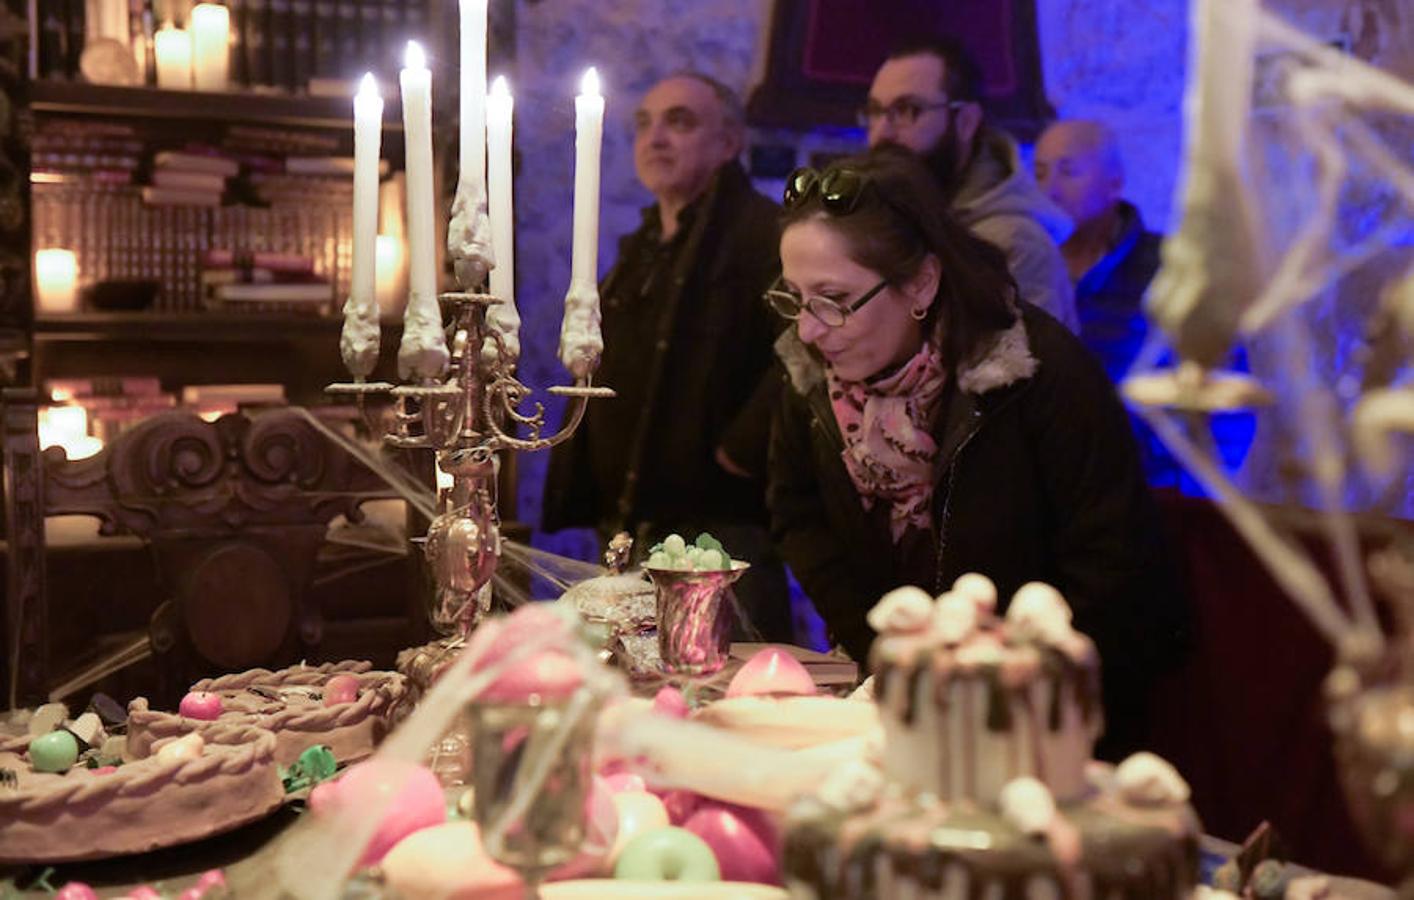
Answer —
1122 61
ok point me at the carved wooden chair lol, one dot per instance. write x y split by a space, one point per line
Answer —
234 512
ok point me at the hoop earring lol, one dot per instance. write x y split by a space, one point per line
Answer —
918 314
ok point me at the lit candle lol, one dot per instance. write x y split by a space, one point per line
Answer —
172 47
504 317
211 37
580 340
56 274
588 136
423 353
359 342
473 90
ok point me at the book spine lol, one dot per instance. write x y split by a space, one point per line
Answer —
54 42
373 48
240 73
257 64
326 40
279 46
76 22
346 13
301 43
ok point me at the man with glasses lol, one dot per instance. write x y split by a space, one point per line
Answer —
687 346
925 97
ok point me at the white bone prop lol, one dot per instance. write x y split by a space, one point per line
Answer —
1378 418
581 341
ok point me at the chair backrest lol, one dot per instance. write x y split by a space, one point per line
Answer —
234 510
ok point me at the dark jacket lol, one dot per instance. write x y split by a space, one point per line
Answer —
697 370
1108 296
1040 480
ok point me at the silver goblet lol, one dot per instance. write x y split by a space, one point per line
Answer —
695 617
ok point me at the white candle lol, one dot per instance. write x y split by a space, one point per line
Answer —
368 133
56 275
211 37
359 342
589 134
581 341
172 47
416 83
423 353
500 108
472 159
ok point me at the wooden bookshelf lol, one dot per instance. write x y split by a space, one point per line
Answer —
108 101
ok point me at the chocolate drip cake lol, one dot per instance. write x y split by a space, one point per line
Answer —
984 788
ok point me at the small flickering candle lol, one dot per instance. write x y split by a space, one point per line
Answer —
211 37
172 47
423 353
358 344
505 318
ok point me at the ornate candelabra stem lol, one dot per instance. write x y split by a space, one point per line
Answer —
462 419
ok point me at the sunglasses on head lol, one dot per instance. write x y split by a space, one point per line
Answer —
839 189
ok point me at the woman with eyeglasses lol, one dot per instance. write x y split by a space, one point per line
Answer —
934 425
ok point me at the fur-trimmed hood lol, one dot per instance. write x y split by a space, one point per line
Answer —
1006 362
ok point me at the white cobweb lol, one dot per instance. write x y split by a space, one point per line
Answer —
1286 134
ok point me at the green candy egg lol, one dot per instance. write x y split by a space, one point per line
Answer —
56 751
659 560
667 854
710 560
674 545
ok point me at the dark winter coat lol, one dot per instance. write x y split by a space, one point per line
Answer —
698 375
1039 480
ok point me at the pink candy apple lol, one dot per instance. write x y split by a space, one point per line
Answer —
743 839
205 705
771 671
669 701
680 804
410 794
550 672
76 890
625 781
143 892
340 689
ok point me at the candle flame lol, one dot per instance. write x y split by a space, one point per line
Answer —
589 85
415 58
500 87
368 85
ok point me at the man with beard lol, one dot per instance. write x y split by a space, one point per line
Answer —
687 346
925 97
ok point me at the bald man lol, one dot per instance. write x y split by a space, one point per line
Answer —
1111 257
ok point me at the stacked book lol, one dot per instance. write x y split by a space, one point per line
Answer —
103 152
113 404
264 282
181 178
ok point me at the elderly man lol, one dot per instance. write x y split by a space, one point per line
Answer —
687 346
1110 255
926 97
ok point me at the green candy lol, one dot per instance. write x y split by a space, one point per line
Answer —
56 751
667 854
705 541
674 545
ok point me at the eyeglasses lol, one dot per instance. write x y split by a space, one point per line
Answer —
903 111
839 189
790 305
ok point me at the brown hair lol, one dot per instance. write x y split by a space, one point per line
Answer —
901 218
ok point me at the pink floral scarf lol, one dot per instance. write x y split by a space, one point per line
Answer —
889 449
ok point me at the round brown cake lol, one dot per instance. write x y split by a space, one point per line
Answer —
141 805
289 703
